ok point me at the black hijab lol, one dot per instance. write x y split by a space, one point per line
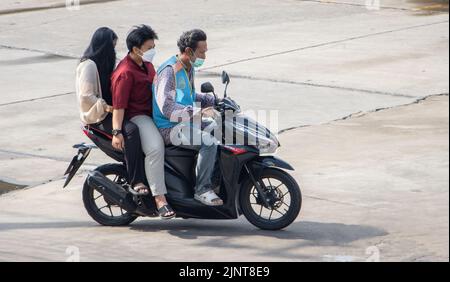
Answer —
101 51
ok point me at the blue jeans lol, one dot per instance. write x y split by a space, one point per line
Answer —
206 145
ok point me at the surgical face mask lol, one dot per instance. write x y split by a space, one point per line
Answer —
198 62
149 55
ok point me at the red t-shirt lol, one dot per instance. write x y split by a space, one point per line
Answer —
131 87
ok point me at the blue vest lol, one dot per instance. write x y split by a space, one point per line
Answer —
185 94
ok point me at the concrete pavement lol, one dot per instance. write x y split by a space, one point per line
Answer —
375 188
313 61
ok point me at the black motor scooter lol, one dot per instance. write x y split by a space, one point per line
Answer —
251 182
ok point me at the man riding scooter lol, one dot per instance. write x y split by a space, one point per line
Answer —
174 109
251 181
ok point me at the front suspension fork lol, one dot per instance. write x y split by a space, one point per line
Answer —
259 188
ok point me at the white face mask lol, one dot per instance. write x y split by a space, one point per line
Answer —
149 55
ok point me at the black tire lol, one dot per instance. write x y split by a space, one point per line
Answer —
90 203
245 200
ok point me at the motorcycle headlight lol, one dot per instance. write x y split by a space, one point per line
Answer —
267 146
249 132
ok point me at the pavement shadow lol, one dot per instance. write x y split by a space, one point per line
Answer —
223 234
317 232
287 244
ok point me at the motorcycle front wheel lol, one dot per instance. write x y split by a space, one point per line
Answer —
284 196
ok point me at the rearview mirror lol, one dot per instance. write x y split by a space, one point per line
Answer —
207 87
225 78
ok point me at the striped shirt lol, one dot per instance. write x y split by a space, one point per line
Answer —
165 90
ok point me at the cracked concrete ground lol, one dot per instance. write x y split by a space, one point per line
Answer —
375 187
379 179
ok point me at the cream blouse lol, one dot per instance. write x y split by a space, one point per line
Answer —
93 108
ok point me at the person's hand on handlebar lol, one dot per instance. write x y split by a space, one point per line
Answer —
209 112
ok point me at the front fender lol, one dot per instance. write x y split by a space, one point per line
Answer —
272 161
260 163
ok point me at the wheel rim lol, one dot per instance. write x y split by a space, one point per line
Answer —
279 198
105 207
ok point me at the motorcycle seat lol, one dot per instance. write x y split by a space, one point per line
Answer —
174 151
99 133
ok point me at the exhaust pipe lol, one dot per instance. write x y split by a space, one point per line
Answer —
111 191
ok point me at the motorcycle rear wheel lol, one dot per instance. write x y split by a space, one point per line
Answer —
114 216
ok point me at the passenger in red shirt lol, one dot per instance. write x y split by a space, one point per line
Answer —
131 86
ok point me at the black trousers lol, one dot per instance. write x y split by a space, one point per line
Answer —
134 156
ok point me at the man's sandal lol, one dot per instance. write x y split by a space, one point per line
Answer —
165 210
209 198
